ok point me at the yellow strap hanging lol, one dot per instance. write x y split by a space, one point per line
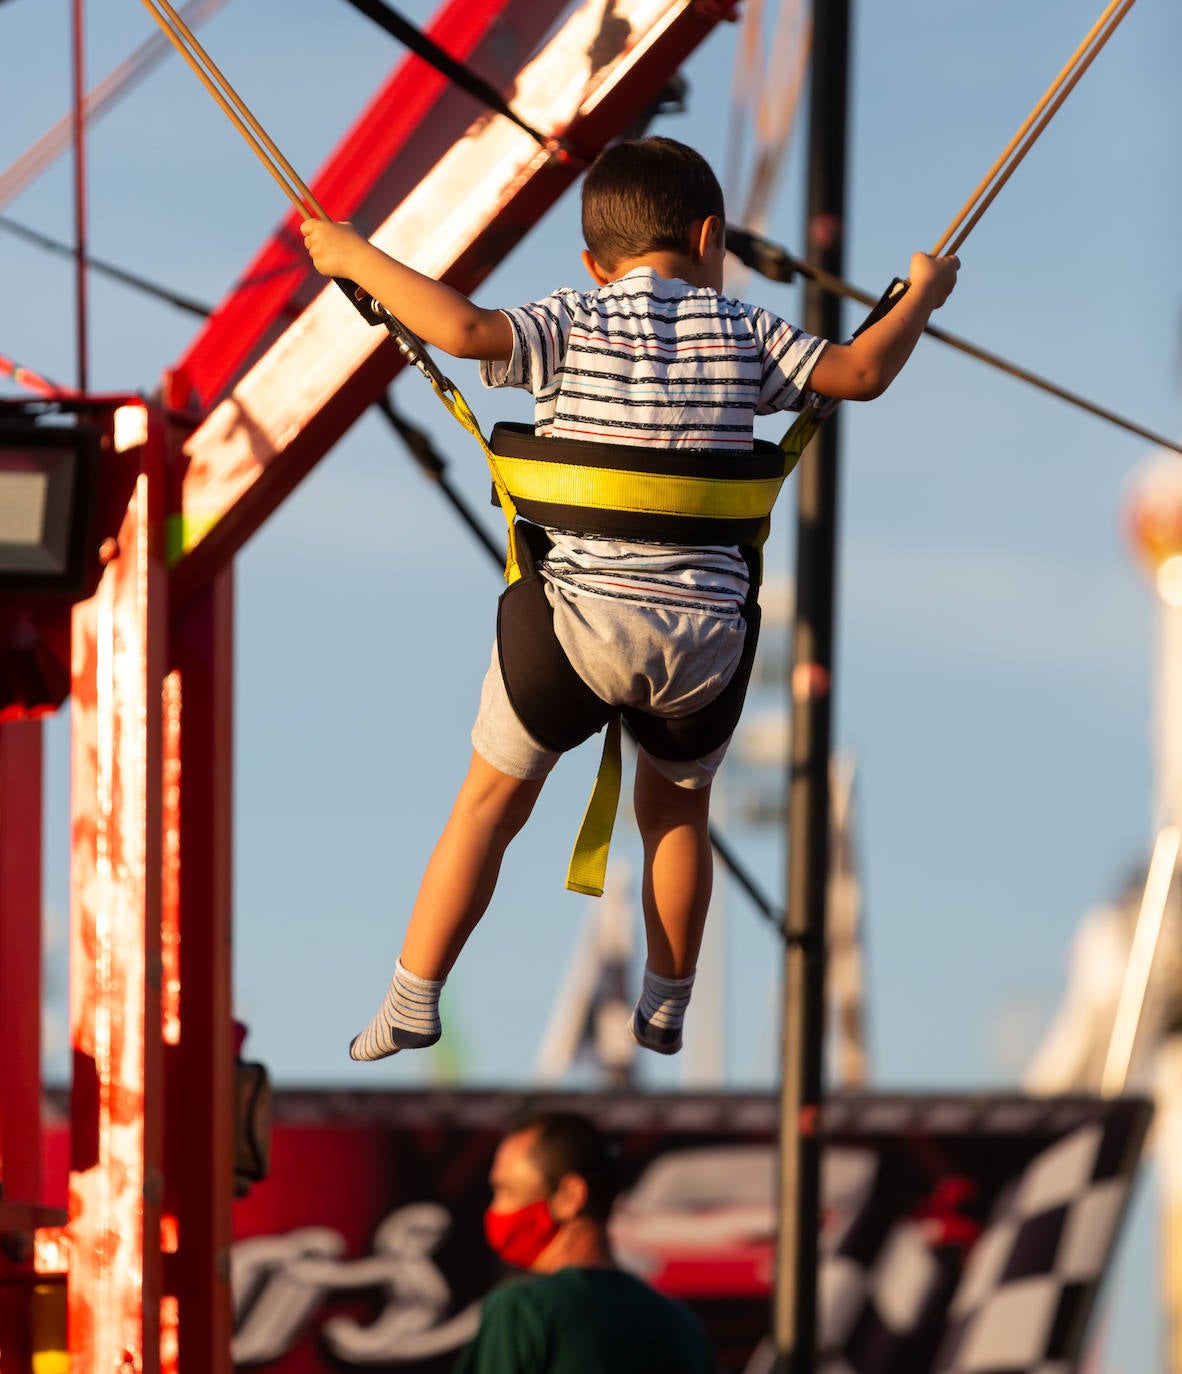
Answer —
588 860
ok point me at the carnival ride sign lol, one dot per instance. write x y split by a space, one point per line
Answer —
959 1233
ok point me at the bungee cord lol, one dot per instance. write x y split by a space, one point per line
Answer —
293 187
1032 126
1015 151
412 347
235 109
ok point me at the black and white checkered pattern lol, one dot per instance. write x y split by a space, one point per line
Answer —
1027 1289
895 1295
880 1283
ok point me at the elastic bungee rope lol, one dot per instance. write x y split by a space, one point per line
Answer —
1015 151
1058 91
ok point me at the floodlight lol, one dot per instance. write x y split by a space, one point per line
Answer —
48 480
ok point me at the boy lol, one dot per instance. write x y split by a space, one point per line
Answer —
655 355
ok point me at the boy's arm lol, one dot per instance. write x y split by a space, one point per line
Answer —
864 368
441 317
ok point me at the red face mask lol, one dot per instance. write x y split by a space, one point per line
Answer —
520 1237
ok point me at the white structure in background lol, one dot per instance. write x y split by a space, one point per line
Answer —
595 998
1120 1023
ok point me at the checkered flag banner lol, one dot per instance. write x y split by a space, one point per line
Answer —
969 1236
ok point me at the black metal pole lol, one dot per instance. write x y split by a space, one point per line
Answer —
794 1315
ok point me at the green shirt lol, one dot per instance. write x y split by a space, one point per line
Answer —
585 1321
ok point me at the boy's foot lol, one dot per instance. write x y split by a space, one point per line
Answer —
655 1023
648 1037
408 1019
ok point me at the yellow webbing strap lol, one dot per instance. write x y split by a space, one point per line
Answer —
650 492
462 412
803 428
588 860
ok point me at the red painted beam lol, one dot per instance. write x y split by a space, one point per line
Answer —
20 964
199 1048
116 1097
591 80
408 126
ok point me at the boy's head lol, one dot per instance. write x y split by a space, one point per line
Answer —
647 195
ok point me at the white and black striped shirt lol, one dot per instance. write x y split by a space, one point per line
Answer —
652 360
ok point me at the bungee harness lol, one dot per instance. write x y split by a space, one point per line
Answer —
615 490
622 491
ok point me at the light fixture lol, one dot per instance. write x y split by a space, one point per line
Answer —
48 482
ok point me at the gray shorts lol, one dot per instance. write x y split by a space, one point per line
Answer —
668 662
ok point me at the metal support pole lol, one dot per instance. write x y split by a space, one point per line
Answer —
795 1298
80 192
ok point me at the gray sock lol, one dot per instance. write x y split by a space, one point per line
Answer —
657 1016
407 1020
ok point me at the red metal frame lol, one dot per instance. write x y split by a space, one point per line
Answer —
117 1099
20 963
199 1061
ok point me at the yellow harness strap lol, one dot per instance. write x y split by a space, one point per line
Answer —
604 488
611 489
462 412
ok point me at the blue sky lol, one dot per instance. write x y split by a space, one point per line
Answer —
995 641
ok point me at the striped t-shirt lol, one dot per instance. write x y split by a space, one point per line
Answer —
652 360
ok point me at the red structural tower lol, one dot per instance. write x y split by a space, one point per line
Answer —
279 373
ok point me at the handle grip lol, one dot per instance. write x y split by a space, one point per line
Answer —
410 345
886 303
365 305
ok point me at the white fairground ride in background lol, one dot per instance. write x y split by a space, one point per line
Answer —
1119 1025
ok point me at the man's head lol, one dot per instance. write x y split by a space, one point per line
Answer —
648 196
553 1184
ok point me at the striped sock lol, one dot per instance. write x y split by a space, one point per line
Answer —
408 1018
657 1016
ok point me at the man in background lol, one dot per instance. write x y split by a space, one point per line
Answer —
553 1184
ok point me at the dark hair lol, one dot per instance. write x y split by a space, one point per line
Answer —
642 196
569 1143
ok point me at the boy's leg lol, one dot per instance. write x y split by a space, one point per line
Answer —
458 885
674 826
461 875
